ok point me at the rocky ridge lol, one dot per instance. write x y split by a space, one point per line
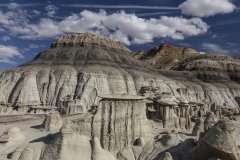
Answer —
102 66
164 56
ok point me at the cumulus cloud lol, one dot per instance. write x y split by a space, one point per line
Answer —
7 53
121 26
6 38
36 12
33 46
209 47
206 8
12 6
51 10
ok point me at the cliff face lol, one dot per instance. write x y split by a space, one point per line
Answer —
216 74
117 124
86 66
164 56
211 67
98 65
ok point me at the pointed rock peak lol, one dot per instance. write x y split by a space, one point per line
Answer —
165 55
87 39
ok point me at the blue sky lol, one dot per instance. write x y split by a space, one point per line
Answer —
27 28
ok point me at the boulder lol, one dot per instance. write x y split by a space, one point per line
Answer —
219 142
198 127
166 156
209 121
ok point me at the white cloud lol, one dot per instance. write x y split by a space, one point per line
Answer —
33 46
121 26
214 36
13 6
36 12
51 10
206 8
209 47
6 38
7 53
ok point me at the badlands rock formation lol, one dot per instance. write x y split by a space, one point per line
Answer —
85 65
164 56
52 122
114 92
219 142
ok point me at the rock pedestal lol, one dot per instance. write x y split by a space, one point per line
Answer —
52 122
165 111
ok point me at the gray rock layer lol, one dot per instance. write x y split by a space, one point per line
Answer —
100 66
115 127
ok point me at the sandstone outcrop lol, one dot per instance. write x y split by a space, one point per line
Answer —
198 127
164 56
85 65
52 122
71 106
11 135
219 142
119 122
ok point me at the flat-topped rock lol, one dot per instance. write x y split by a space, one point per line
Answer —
167 99
84 39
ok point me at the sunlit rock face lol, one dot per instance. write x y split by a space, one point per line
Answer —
87 65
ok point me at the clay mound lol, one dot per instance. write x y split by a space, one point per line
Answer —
219 142
164 56
11 138
99 66
52 122
10 135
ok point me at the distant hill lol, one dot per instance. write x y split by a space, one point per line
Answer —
164 56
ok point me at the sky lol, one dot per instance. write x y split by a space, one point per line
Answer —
29 27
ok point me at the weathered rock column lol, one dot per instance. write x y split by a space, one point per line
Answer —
194 108
119 121
166 105
184 119
70 106
218 112
202 110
